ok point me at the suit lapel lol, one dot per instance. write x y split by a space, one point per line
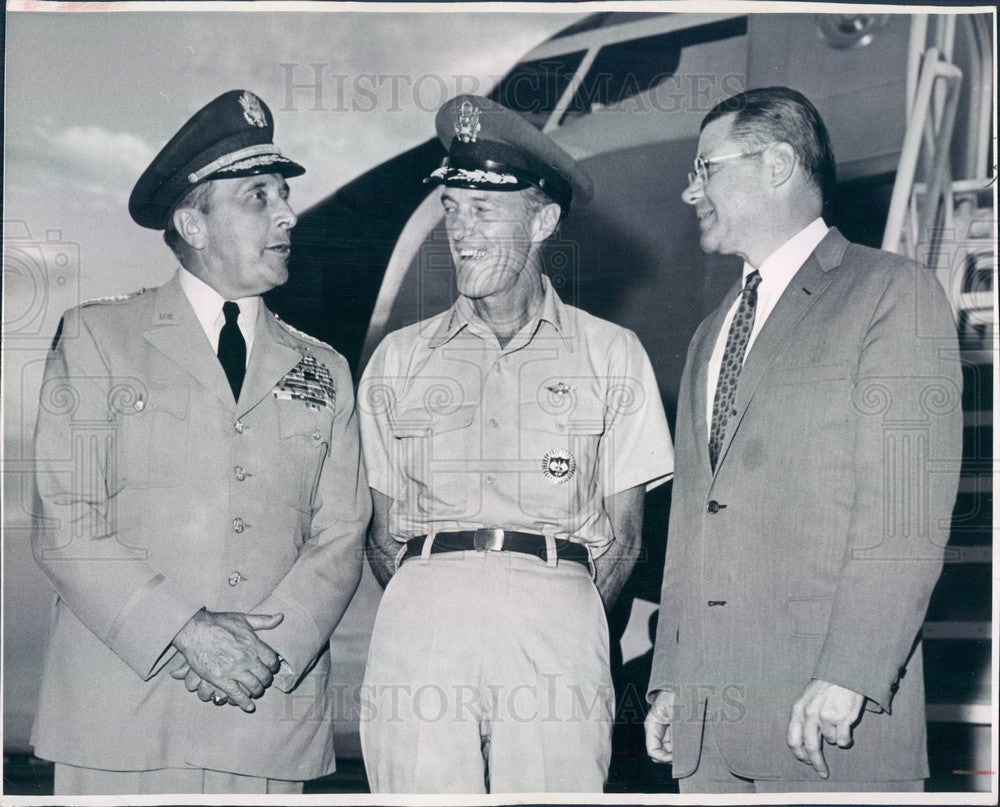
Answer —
273 354
174 330
801 293
699 390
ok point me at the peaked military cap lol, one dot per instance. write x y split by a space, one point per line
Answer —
229 137
491 147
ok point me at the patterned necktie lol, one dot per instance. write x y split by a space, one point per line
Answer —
232 348
732 363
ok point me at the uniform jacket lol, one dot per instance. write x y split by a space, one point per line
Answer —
159 495
813 549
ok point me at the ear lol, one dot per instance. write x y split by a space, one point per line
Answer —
190 224
782 158
544 222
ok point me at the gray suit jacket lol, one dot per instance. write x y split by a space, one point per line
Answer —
159 494
813 549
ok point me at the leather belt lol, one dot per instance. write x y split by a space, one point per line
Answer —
490 539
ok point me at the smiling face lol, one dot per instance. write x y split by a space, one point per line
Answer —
243 240
730 203
491 234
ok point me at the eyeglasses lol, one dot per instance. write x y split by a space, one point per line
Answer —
701 165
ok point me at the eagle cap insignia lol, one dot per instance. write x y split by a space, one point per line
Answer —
558 466
560 389
252 110
467 125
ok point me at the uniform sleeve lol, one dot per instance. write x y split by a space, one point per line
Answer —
375 401
907 449
316 591
636 448
131 606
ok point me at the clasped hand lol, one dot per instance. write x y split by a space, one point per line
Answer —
224 658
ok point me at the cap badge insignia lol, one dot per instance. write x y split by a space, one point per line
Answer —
558 465
467 124
252 110
560 389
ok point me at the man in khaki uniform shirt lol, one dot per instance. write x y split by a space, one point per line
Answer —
509 442
202 497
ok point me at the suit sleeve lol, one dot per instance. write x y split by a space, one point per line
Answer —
316 591
131 606
908 445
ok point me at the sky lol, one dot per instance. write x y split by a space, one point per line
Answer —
90 99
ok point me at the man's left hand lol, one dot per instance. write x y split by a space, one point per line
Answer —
824 711
204 690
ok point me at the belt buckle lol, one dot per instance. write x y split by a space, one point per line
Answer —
488 539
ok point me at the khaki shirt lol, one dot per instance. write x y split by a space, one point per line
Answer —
461 433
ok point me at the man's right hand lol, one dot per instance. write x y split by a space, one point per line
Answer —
659 733
223 649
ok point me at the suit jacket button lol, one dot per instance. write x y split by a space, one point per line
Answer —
239 473
713 507
239 427
234 579
239 525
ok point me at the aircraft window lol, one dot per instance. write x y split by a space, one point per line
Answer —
626 69
534 88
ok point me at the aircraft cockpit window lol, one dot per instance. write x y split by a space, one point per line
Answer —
623 70
533 88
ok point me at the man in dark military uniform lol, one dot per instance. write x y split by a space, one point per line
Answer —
509 443
202 496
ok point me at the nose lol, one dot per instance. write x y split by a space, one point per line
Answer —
284 215
458 225
693 191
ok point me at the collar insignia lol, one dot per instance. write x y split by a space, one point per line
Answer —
467 125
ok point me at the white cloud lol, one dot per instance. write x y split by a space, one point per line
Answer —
103 152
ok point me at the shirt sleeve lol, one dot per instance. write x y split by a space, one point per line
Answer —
636 448
375 401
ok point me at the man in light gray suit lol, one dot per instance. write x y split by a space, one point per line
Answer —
818 437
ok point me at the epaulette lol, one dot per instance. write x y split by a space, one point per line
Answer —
302 335
114 298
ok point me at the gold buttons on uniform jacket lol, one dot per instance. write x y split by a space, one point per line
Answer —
239 473
239 427
317 435
234 579
239 524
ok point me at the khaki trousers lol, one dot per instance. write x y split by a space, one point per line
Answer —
488 672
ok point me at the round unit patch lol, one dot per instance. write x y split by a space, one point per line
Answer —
558 465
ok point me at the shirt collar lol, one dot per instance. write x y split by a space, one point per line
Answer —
207 305
461 315
787 259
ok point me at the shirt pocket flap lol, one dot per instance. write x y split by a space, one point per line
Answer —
421 422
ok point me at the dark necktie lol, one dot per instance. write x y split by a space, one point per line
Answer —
732 363
232 348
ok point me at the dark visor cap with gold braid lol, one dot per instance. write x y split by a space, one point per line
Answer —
493 148
227 138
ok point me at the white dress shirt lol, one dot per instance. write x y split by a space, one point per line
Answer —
776 272
207 305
